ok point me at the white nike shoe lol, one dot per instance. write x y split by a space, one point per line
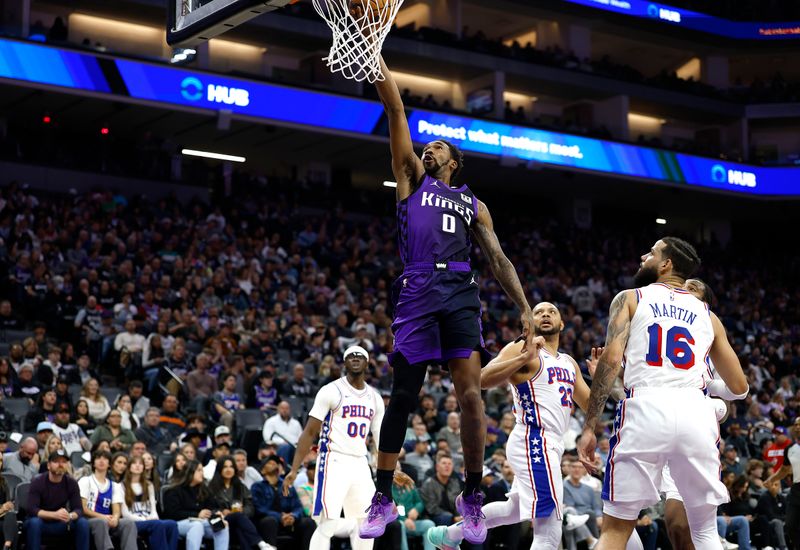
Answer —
728 545
575 520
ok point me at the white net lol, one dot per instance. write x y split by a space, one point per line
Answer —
359 29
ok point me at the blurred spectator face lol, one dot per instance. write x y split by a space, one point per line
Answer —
16 353
202 361
285 410
576 471
178 352
774 488
27 449
84 362
170 404
54 356
230 383
5 308
138 449
604 445
49 399
420 430
26 373
450 403
453 421
130 326
442 445
428 403
151 418
241 462
299 373
421 447
507 472
444 467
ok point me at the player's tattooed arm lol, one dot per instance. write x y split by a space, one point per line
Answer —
619 325
502 268
406 165
511 359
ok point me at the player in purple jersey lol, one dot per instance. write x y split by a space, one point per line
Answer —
437 307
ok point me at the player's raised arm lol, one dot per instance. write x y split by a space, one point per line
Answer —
726 362
406 165
619 326
503 269
511 359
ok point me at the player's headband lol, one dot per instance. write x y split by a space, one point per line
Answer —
355 349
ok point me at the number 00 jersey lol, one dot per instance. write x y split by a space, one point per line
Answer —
348 415
670 336
545 401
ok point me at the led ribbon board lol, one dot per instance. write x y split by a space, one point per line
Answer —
167 85
702 22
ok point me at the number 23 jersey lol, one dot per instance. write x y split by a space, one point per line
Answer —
670 336
348 415
545 401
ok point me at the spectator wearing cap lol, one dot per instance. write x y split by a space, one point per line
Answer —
227 401
43 411
112 431
420 457
264 395
25 462
43 432
62 391
157 438
197 424
276 513
72 436
285 428
54 507
730 460
738 439
220 450
774 454
25 385
222 434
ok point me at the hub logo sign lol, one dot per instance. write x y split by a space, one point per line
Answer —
664 14
733 177
193 90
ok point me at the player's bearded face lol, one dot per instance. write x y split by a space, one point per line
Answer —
647 275
551 327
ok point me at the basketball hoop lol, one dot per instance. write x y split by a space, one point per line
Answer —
358 35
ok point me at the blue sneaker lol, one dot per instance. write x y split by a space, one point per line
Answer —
469 508
437 536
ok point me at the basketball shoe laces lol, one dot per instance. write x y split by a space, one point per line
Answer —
375 509
473 512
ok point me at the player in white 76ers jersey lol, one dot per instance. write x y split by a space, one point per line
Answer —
664 337
343 415
545 386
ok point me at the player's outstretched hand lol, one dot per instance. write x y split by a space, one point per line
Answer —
403 479
288 481
528 332
591 362
586 450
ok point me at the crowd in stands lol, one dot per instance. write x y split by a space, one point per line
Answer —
159 336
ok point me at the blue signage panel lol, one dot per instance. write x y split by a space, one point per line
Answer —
494 138
169 85
743 30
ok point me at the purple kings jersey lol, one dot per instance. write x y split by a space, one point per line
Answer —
433 223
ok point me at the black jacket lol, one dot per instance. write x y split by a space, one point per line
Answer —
182 502
771 507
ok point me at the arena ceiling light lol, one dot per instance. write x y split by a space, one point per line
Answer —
390 184
211 155
661 221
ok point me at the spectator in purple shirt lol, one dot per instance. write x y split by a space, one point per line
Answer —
54 506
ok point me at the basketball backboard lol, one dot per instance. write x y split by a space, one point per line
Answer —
191 22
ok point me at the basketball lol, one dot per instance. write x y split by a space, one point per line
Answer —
376 10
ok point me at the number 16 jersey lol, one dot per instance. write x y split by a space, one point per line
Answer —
670 336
